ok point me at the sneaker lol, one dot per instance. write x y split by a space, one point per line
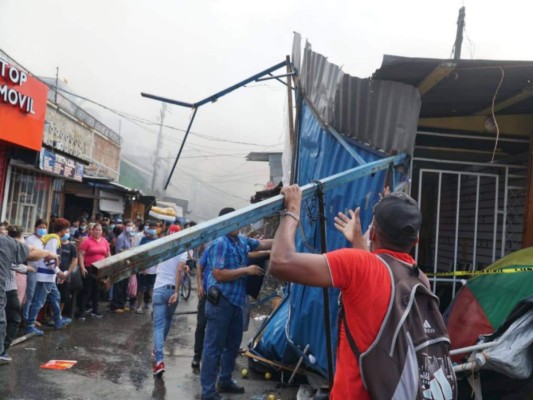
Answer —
127 308
32 329
118 310
88 311
5 358
153 354
96 314
231 388
62 323
139 310
195 362
159 368
80 318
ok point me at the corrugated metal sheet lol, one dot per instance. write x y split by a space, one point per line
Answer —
381 114
319 80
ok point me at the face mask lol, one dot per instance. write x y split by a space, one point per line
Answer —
83 228
146 229
129 229
41 231
66 237
112 226
152 232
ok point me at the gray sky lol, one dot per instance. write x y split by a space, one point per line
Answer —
110 51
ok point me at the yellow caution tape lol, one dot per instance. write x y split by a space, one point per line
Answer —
484 272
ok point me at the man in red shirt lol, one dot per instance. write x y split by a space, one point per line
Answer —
364 280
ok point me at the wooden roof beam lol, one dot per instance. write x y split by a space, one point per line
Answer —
517 98
438 74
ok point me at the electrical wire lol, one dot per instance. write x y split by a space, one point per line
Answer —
494 115
154 123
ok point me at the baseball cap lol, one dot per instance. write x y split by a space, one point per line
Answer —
398 217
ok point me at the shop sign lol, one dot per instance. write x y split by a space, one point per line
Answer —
60 165
22 107
66 135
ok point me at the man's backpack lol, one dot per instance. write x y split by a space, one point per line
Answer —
409 359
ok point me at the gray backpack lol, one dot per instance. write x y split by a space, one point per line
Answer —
409 359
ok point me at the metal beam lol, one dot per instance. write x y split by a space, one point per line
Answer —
121 266
435 76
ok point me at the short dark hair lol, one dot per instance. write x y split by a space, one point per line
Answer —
126 221
40 221
14 231
226 210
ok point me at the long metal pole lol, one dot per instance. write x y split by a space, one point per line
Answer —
325 291
158 145
292 133
120 266
181 147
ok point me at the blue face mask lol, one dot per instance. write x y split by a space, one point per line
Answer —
41 231
83 228
66 237
152 232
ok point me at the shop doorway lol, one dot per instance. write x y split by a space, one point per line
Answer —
75 206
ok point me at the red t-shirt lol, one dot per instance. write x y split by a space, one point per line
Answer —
94 250
365 284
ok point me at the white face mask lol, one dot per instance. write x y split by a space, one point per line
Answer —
129 229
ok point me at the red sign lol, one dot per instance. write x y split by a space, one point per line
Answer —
22 107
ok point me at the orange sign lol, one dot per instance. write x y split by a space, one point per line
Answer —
22 107
58 364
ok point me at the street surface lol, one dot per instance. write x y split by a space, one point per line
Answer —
114 362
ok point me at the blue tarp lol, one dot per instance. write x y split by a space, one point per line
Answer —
299 321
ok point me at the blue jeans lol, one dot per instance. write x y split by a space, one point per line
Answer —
45 290
31 280
223 337
162 318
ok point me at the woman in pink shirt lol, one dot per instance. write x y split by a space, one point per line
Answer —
92 249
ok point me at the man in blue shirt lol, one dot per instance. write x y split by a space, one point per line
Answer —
227 259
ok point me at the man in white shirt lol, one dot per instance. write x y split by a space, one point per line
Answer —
31 278
165 301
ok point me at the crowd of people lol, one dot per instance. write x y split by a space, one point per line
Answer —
51 279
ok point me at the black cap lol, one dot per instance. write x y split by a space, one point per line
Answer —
398 217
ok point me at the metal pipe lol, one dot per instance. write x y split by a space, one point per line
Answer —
495 227
505 204
457 216
277 77
479 164
437 234
420 178
121 265
476 347
298 364
476 218
181 147
325 291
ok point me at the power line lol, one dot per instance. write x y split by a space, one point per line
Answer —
149 122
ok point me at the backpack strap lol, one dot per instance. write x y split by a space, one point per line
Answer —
342 320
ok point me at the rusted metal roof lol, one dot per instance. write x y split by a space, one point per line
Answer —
379 114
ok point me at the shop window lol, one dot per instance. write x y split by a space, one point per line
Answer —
28 198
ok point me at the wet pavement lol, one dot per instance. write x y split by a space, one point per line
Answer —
113 357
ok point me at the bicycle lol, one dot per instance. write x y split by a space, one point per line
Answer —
185 288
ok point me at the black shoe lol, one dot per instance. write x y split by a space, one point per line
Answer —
232 388
96 314
195 362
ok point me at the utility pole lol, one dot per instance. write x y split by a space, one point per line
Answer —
459 34
158 146
57 78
